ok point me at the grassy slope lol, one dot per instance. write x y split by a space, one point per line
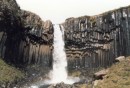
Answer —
118 76
9 74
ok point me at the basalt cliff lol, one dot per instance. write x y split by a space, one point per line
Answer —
24 37
95 41
90 41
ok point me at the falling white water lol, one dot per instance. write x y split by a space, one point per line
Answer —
59 72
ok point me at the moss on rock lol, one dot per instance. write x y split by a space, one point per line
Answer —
9 74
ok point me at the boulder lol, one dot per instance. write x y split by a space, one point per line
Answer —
100 74
120 58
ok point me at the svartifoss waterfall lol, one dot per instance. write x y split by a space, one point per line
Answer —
59 72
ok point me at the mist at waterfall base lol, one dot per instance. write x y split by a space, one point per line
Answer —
59 72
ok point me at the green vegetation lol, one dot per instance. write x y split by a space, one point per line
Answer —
118 76
8 73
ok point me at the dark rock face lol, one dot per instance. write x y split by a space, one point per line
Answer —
95 41
24 37
9 14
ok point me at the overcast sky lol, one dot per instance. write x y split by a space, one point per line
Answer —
58 10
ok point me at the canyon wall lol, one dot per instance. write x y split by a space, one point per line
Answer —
95 41
24 37
90 41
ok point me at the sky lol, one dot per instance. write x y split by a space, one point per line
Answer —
59 10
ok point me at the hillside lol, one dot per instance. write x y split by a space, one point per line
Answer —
9 74
118 76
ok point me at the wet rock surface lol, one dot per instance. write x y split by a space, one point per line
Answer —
95 41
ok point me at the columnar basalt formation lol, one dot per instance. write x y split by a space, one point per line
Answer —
90 41
24 37
94 41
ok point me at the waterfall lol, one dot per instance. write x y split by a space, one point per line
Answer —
59 72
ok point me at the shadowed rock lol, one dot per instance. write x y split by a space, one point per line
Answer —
24 37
